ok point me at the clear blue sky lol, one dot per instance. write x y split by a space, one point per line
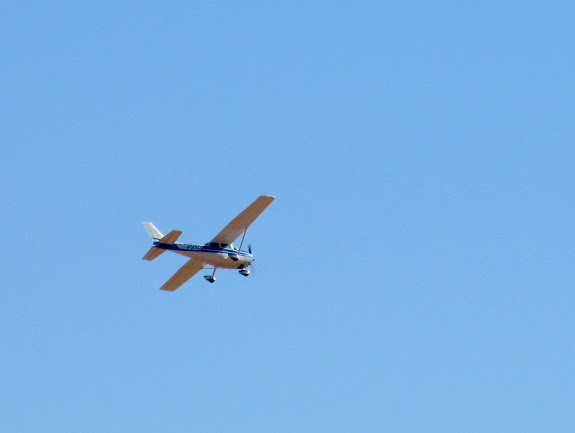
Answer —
415 273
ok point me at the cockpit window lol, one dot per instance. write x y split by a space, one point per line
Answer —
217 245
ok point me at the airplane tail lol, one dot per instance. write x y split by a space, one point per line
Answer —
157 236
154 233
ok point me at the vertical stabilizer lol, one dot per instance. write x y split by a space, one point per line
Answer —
154 233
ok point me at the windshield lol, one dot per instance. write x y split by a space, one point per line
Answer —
217 245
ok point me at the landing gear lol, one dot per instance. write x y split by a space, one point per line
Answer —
245 272
211 278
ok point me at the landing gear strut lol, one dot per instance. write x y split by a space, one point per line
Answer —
211 278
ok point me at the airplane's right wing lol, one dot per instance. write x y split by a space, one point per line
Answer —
191 268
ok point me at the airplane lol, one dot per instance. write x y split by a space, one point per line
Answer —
220 252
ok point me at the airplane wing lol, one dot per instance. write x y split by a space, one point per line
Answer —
240 223
191 268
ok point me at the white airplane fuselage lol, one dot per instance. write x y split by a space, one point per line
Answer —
227 257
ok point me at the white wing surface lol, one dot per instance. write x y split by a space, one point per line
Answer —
240 223
191 268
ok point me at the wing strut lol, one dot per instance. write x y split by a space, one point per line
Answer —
242 242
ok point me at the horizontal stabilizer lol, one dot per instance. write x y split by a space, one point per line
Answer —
153 253
171 237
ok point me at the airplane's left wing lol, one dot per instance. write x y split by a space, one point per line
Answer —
240 223
191 268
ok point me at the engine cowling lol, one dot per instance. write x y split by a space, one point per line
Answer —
233 256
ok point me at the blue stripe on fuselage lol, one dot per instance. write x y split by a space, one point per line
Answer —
199 248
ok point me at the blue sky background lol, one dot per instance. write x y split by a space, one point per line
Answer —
415 273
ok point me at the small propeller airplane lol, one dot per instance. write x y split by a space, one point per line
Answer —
220 252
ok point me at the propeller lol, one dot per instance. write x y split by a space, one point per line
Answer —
253 260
